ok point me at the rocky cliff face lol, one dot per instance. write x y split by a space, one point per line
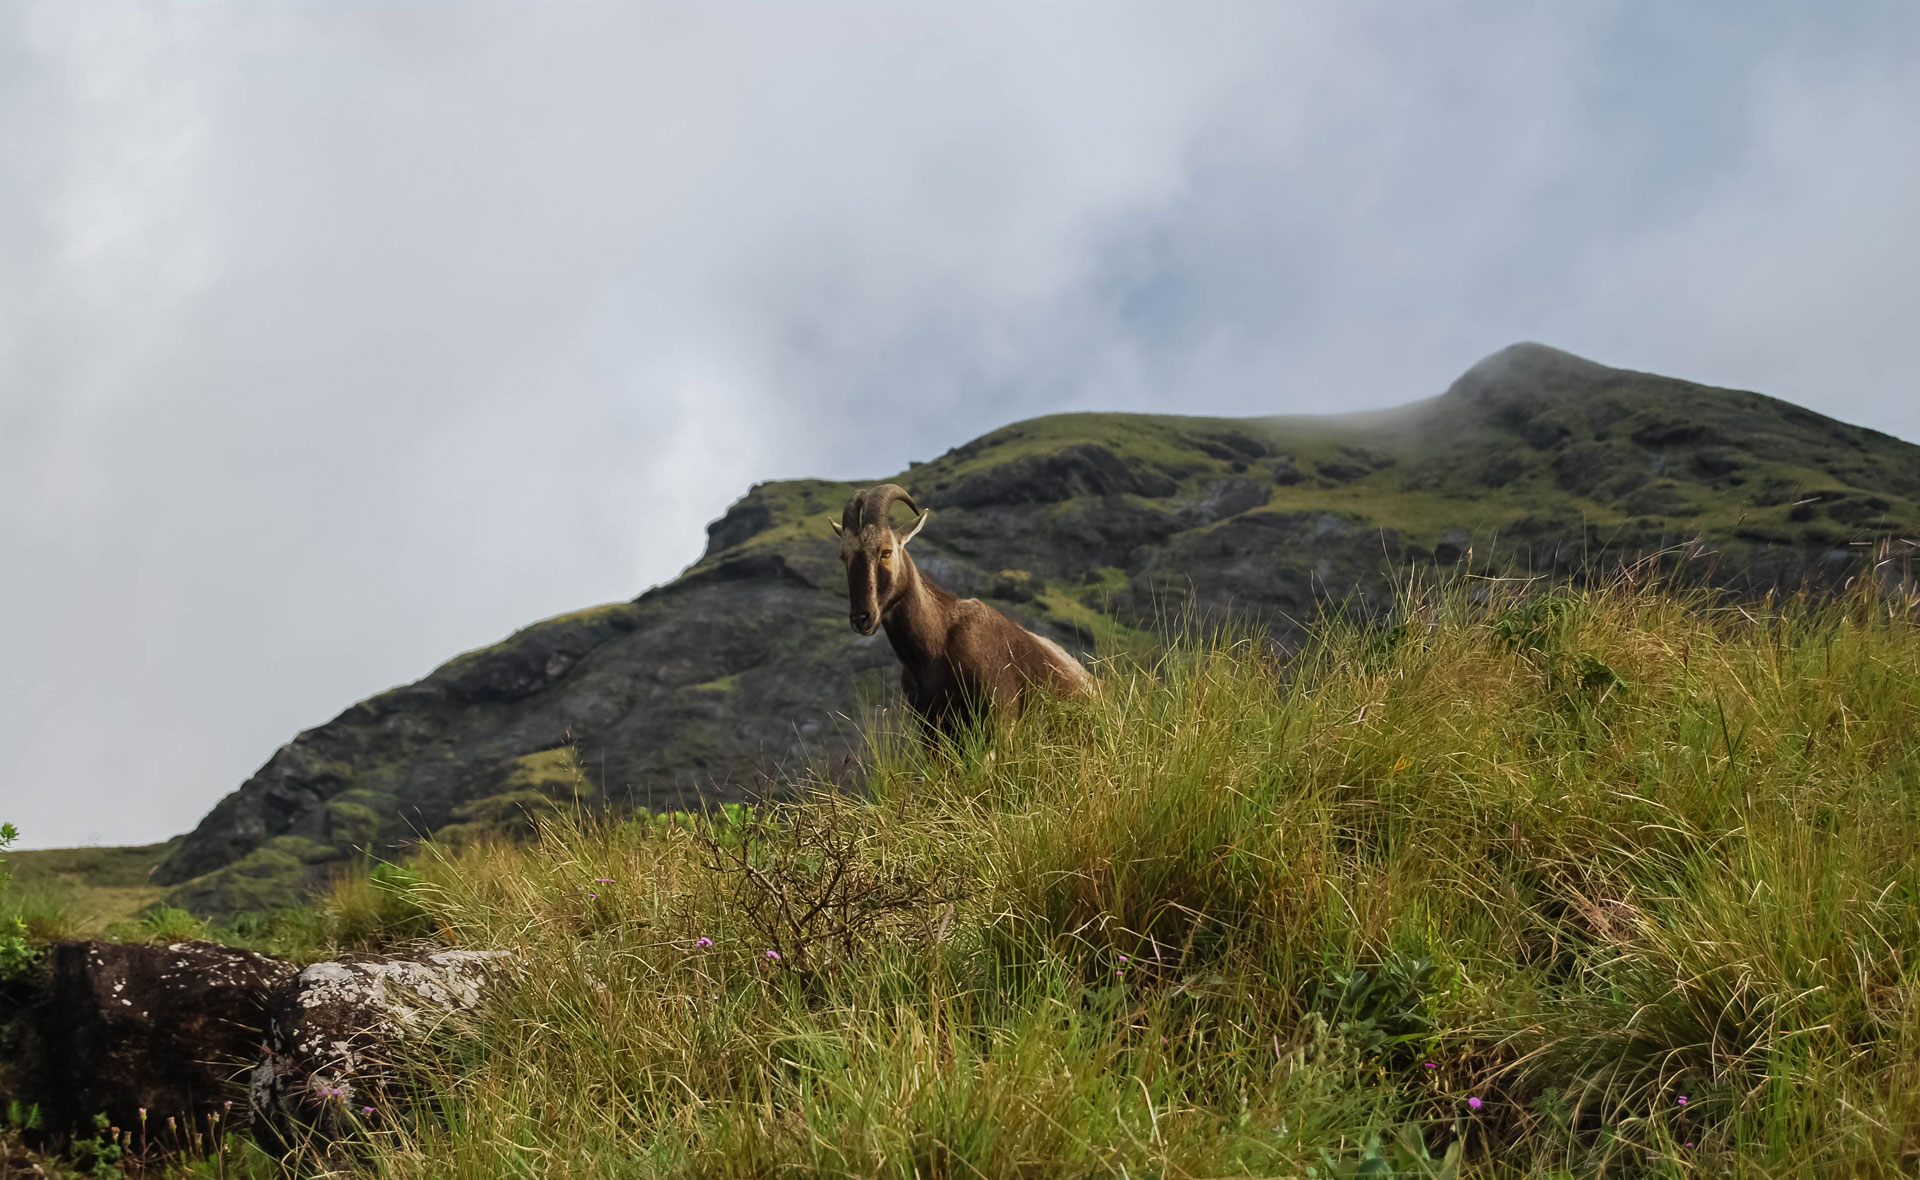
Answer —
1093 528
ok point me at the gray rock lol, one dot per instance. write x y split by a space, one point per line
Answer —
334 1056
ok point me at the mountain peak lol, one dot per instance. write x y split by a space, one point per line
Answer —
1528 369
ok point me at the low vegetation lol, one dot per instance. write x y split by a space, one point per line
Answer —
1608 882
80 892
16 951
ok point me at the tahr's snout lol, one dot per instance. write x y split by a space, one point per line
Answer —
862 621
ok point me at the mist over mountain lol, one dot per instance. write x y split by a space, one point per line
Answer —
1092 528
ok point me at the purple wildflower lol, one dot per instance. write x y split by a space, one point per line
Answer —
1682 1100
1123 958
1428 1065
1688 1143
773 956
604 880
366 1110
1474 1104
594 896
703 941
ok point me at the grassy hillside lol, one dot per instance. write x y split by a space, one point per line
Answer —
1605 882
1531 442
67 892
1092 528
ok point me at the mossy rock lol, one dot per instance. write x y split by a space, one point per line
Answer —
352 825
1016 586
266 879
306 850
533 786
555 773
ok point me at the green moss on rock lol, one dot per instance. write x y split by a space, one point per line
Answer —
352 825
266 879
555 773
305 849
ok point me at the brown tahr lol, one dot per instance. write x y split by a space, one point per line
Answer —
959 657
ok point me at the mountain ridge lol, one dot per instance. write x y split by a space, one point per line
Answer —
1085 526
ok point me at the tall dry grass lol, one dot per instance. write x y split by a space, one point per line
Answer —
1618 881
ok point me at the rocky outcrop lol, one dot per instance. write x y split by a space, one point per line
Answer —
334 1059
320 798
122 1031
712 687
1083 469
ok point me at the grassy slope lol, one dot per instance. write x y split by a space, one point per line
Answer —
1642 876
81 891
1530 442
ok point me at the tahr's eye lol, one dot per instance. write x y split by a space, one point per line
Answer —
886 555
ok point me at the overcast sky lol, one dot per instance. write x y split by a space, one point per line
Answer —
337 338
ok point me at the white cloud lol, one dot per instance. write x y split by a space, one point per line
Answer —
1793 271
336 339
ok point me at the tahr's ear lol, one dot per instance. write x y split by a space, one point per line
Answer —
836 526
917 526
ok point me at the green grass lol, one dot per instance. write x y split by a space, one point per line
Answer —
79 892
102 892
1576 856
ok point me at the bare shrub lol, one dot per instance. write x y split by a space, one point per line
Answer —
817 883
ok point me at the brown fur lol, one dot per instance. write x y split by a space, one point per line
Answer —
958 656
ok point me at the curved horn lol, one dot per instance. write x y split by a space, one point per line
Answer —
872 505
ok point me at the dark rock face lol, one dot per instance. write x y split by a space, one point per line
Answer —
333 1061
742 670
1086 469
1225 498
742 523
700 691
1268 568
287 796
118 1029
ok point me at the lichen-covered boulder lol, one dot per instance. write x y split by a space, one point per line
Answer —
335 1035
118 1030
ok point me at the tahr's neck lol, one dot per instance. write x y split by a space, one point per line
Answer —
915 618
